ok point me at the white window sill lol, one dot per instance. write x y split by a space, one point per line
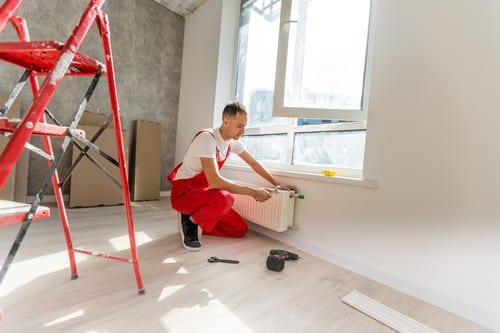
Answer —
367 183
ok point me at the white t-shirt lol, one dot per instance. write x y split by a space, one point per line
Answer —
204 145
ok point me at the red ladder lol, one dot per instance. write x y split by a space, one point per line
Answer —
53 61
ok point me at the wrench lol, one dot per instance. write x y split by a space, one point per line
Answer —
227 261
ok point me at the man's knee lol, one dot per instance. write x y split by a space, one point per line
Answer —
240 230
225 199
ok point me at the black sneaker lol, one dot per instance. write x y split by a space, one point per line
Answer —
189 234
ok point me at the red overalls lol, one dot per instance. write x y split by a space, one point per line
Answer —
210 208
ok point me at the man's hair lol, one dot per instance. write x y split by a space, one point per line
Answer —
233 108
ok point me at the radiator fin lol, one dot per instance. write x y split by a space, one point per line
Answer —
275 214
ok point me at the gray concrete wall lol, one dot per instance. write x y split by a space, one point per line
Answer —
147 43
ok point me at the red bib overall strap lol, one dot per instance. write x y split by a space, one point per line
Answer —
220 162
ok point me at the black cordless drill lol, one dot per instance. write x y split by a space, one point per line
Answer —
276 259
285 255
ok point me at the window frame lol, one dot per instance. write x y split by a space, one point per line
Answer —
280 110
290 130
356 119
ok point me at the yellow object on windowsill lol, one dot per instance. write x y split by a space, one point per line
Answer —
329 173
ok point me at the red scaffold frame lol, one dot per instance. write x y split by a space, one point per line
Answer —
53 61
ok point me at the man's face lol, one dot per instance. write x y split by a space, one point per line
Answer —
235 126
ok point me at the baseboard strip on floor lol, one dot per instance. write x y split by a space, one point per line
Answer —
384 314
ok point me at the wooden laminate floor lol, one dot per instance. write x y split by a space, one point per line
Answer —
184 292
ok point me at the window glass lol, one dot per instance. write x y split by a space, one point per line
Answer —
326 54
311 121
258 40
260 110
266 148
343 149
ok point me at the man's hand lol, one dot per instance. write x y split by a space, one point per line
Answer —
262 194
287 187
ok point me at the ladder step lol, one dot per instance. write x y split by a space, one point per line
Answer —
10 125
41 56
15 212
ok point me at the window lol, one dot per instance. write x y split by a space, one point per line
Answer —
301 72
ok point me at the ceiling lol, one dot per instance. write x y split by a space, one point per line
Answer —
182 7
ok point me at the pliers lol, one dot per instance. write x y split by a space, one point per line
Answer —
227 261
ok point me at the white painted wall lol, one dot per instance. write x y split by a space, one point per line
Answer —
431 228
207 82
199 73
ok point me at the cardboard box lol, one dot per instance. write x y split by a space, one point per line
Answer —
90 186
16 187
145 161
95 119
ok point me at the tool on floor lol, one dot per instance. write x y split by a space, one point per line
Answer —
227 261
276 259
285 255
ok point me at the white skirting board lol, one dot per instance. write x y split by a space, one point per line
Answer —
384 314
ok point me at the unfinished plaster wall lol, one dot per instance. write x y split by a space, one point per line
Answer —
147 43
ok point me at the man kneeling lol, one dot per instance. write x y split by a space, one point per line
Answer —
199 192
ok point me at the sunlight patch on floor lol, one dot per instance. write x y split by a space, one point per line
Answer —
23 272
123 242
170 261
212 317
182 270
208 292
65 318
169 291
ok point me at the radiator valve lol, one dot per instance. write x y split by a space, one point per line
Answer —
277 188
